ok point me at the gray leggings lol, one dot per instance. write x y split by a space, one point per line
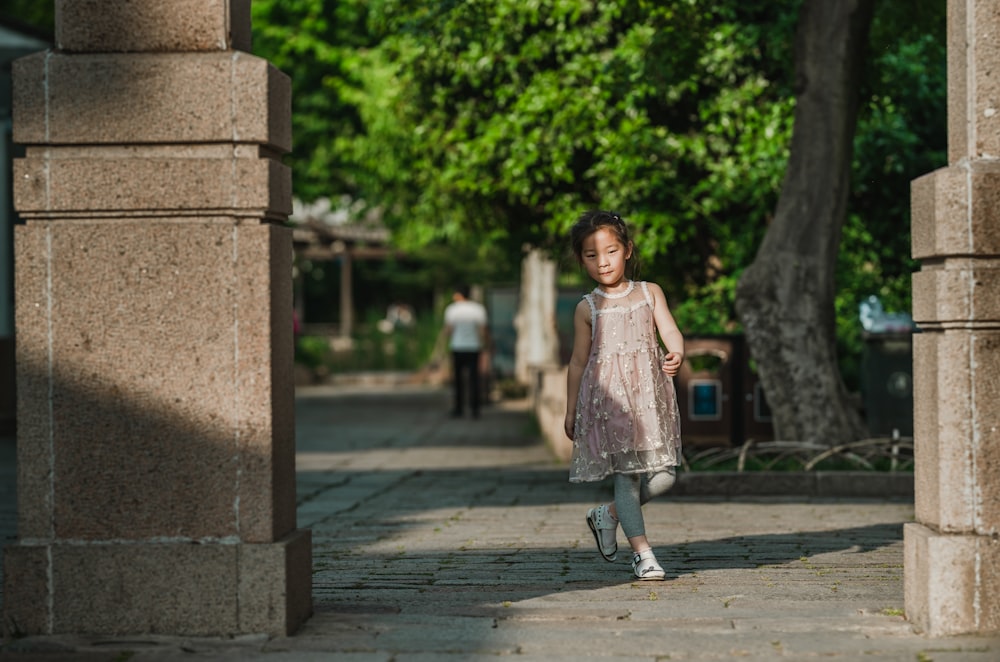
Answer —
634 490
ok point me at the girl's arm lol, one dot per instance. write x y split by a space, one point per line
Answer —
577 362
670 334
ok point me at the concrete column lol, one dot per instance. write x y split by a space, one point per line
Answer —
952 551
156 460
537 336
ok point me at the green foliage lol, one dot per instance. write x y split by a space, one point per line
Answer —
320 44
32 14
514 116
511 117
402 348
901 135
313 351
482 125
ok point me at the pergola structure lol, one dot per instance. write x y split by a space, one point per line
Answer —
322 233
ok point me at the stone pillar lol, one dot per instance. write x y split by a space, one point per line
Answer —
156 460
952 551
537 343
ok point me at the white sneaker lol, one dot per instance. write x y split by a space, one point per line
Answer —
605 530
644 566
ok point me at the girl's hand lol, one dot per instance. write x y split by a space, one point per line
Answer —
569 425
672 363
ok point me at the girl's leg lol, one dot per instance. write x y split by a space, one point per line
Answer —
655 484
652 486
631 491
628 508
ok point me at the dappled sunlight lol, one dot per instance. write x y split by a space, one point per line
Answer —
427 525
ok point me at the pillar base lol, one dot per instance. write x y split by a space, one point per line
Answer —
208 589
951 581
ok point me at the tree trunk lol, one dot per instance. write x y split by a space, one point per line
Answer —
785 298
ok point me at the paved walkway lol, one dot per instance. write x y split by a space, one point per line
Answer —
440 539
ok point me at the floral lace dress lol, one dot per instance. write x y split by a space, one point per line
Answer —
627 419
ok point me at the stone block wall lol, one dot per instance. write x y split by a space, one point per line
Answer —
550 408
952 551
156 459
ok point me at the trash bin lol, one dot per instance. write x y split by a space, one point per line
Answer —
720 398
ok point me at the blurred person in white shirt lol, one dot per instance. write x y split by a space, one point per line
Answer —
467 332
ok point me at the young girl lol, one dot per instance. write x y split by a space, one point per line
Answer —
621 409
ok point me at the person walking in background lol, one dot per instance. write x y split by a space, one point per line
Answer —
465 327
621 410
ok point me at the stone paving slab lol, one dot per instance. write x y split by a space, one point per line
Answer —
441 539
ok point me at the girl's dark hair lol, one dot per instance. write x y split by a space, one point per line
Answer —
592 221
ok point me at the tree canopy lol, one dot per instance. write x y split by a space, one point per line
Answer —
38 16
485 125
321 46
501 120
512 117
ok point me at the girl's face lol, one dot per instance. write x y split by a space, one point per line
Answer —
604 257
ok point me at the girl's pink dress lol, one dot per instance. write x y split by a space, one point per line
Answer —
627 419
